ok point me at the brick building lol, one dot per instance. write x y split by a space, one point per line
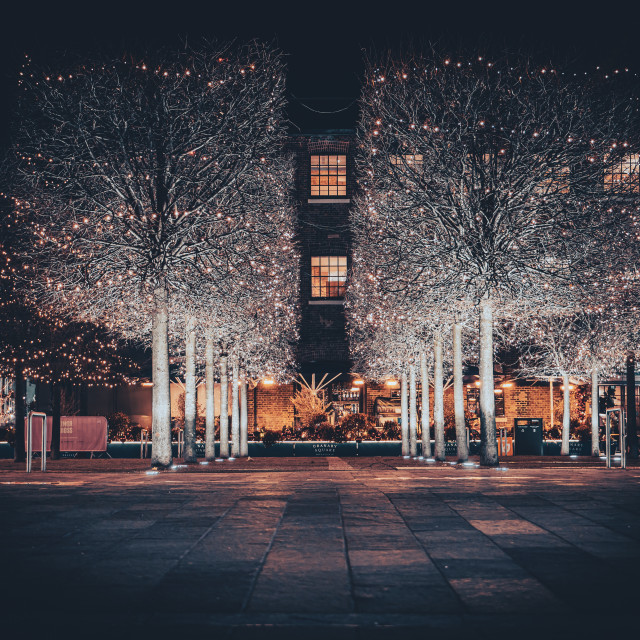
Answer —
324 188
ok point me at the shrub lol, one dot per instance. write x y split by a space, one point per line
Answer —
271 437
119 427
391 430
325 431
339 434
355 425
583 433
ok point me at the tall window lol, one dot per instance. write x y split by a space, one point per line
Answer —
328 276
328 175
626 171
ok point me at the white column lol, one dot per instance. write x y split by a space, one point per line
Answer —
235 413
426 419
190 404
413 412
224 407
404 414
161 454
566 415
210 407
244 418
488 442
595 417
438 398
458 395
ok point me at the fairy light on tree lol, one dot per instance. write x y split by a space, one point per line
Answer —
136 174
480 183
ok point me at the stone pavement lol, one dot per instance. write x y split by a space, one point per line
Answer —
319 548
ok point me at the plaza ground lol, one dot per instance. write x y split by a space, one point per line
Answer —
320 548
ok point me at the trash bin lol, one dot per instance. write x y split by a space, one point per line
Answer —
528 436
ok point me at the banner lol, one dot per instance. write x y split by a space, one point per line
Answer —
508 448
77 433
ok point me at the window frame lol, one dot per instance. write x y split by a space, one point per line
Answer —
629 185
338 166
326 288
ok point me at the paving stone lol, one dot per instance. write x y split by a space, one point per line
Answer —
338 548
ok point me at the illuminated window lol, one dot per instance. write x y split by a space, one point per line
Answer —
473 402
624 173
328 276
413 161
328 175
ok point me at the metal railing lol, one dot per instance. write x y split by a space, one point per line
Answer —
43 462
180 442
622 438
144 441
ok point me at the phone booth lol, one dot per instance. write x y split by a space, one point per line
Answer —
527 434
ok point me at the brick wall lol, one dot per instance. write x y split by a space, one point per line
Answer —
526 400
272 406
323 230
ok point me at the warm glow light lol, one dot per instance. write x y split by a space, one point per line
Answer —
358 382
147 384
497 391
477 383
392 383
354 389
507 384
267 381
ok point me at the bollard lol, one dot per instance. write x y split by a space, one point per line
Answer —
622 438
43 462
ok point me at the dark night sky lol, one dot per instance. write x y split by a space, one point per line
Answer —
323 39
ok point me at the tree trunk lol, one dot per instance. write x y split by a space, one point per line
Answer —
161 454
595 417
438 399
426 418
566 415
235 414
244 419
210 406
488 443
632 426
404 414
458 395
19 452
413 412
190 391
224 408
56 390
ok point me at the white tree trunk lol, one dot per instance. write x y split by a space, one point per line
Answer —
404 414
190 403
235 413
224 407
244 419
566 415
458 395
161 455
595 417
551 402
438 399
488 443
426 419
413 412
210 435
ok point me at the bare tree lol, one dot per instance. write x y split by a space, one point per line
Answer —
480 180
138 172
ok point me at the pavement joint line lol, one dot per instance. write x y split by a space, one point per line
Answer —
254 580
456 595
346 550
